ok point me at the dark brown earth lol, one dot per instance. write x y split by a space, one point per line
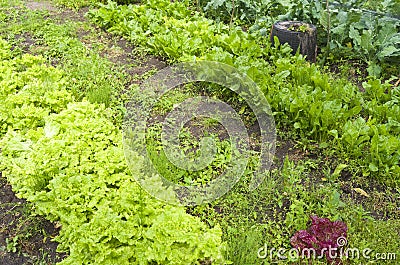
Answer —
24 238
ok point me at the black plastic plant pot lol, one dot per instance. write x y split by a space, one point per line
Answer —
299 35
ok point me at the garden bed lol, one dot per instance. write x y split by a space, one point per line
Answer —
335 156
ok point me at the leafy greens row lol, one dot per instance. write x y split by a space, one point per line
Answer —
360 126
66 157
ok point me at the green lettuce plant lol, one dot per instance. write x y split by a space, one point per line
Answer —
66 158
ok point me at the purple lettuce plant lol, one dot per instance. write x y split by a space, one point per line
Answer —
323 236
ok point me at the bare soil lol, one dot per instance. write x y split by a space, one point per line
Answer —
24 238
